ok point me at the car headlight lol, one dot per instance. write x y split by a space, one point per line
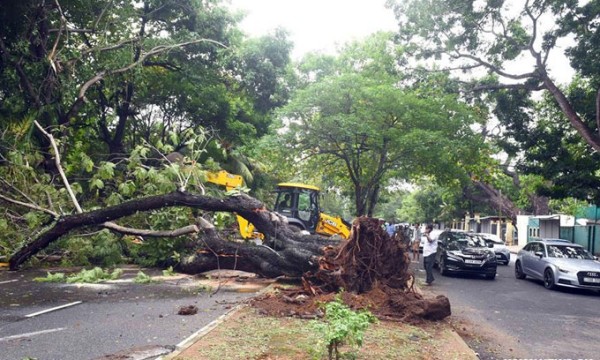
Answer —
491 255
563 270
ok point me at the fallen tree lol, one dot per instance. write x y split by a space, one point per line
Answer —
369 264
284 252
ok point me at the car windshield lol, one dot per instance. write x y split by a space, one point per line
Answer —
459 242
568 252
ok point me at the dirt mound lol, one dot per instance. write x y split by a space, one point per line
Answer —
371 270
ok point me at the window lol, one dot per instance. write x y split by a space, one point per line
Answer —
568 252
533 247
304 206
534 232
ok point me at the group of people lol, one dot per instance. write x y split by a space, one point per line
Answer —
429 249
417 238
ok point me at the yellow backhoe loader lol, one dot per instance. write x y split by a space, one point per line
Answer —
298 202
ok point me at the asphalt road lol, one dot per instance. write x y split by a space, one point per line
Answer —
508 318
104 321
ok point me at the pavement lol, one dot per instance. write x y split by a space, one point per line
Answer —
187 343
514 248
183 348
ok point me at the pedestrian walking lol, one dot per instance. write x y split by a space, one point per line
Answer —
429 250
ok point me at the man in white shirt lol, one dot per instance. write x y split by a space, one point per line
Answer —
429 250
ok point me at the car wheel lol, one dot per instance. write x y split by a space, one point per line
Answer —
490 276
442 266
519 274
549 279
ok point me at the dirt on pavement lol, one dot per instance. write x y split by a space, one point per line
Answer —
271 327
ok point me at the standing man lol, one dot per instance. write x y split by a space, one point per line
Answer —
391 229
416 241
429 250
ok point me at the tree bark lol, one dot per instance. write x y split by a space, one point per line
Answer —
499 201
291 258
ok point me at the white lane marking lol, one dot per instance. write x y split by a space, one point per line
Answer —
53 309
25 335
8 281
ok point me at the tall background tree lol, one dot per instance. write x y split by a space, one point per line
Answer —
358 121
506 48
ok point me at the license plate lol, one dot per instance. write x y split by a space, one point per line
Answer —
469 261
592 280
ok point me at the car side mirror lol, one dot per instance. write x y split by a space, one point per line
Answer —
490 245
539 254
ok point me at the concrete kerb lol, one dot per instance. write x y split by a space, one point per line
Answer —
190 340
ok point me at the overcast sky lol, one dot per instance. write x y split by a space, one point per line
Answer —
316 25
322 25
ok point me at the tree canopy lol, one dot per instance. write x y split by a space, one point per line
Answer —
504 49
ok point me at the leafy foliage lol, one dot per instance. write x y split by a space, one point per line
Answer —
122 84
504 51
169 271
91 276
94 275
52 278
142 278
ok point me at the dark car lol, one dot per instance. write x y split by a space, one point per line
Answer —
461 252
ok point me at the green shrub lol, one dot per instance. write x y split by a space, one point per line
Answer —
342 326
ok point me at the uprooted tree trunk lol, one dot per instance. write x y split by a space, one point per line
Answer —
286 252
373 269
372 263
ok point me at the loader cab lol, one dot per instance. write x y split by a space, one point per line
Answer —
300 204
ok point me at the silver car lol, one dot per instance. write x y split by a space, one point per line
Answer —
500 249
558 263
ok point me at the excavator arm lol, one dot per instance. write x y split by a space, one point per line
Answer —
232 181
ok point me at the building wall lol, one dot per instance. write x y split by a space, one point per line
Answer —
550 228
522 230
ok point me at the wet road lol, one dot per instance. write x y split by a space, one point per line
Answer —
509 318
104 319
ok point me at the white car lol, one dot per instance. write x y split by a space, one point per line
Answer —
502 252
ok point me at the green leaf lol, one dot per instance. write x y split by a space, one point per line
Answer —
96 183
106 170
